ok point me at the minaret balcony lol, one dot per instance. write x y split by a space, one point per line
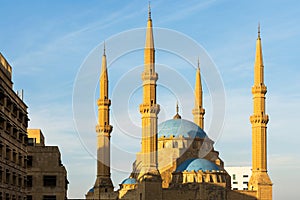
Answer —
198 111
103 102
259 89
106 129
259 119
148 108
148 76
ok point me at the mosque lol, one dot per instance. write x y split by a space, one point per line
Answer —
177 158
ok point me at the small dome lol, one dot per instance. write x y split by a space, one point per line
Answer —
197 164
129 181
177 127
91 190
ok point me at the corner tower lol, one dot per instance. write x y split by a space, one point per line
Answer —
103 128
198 110
260 180
149 109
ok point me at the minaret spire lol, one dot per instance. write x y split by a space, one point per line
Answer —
258 30
198 110
149 109
103 129
177 116
104 48
149 10
260 179
149 44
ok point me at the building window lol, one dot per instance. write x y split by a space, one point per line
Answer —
245 188
235 182
1 148
211 179
20 160
14 178
49 197
233 177
29 161
2 98
245 176
20 181
14 156
235 189
30 141
2 123
7 176
8 128
219 179
245 182
29 181
29 197
8 153
1 176
49 181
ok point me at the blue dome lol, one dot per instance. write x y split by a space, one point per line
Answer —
129 181
197 164
177 127
91 190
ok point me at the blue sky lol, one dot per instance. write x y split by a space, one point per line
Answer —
47 43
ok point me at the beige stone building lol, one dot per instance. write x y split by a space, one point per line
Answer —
46 175
13 137
177 158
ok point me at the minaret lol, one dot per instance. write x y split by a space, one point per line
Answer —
103 129
259 180
149 109
198 110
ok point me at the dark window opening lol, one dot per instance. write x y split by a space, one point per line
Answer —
8 153
14 156
20 181
233 177
49 197
49 181
29 181
7 175
29 161
30 141
2 98
1 148
1 176
2 122
14 179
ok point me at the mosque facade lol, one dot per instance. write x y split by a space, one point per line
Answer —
177 158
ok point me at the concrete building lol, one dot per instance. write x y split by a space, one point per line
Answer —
13 137
46 175
240 177
177 158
